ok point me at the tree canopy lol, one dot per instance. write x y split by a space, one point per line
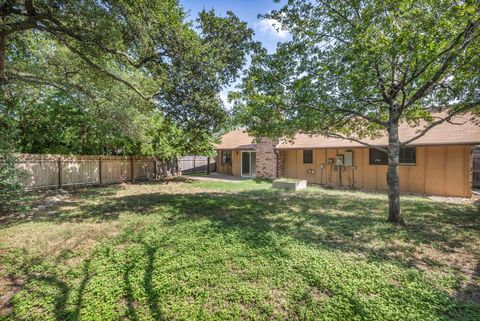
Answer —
356 58
357 69
116 76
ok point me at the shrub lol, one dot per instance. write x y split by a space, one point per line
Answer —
11 190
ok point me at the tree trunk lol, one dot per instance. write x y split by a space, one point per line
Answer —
393 179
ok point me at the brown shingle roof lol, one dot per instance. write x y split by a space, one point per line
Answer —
236 139
444 134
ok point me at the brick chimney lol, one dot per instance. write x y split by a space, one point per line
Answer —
267 162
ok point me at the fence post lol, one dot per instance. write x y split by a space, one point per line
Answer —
100 178
155 169
194 165
60 173
208 165
132 168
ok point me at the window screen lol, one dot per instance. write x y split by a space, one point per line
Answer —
308 156
226 156
408 156
377 157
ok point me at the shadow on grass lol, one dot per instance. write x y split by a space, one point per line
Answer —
471 291
334 221
329 221
36 279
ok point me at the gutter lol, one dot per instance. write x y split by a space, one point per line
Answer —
277 156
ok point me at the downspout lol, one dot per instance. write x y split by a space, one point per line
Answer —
277 156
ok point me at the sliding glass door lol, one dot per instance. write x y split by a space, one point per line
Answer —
249 164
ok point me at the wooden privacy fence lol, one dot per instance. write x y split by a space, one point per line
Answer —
57 171
196 164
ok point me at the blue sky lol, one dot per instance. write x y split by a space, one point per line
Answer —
246 10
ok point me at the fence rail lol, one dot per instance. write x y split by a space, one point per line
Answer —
57 171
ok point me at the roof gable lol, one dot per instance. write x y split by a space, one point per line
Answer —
236 139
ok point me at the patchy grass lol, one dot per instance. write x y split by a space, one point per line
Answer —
213 250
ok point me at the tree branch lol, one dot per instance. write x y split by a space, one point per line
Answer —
468 37
354 113
334 37
338 13
59 27
417 72
339 136
381 84
100 69
6 8
23 25
31 11
31 78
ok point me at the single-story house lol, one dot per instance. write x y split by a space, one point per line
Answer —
438 163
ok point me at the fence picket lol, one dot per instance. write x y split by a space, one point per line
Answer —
57 171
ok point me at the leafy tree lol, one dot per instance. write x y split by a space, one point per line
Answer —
54 123
112 76
10 188
86 49
357 69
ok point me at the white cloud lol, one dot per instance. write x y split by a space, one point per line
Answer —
272 28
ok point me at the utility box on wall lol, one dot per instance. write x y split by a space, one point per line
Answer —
348 158
339 160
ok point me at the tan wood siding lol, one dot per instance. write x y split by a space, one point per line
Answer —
233 168
439 170
236 159
223 168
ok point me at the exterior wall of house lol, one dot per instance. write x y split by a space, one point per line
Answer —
236 162
267 158
223 168
439 170
234 168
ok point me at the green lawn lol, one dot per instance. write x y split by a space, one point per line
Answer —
213 250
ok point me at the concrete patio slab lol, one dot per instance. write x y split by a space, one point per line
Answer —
218 178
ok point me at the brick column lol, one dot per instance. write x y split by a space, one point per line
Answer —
267 158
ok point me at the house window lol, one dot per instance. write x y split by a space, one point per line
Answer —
308 156
408 156
226 156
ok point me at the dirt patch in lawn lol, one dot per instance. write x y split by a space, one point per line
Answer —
9 286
